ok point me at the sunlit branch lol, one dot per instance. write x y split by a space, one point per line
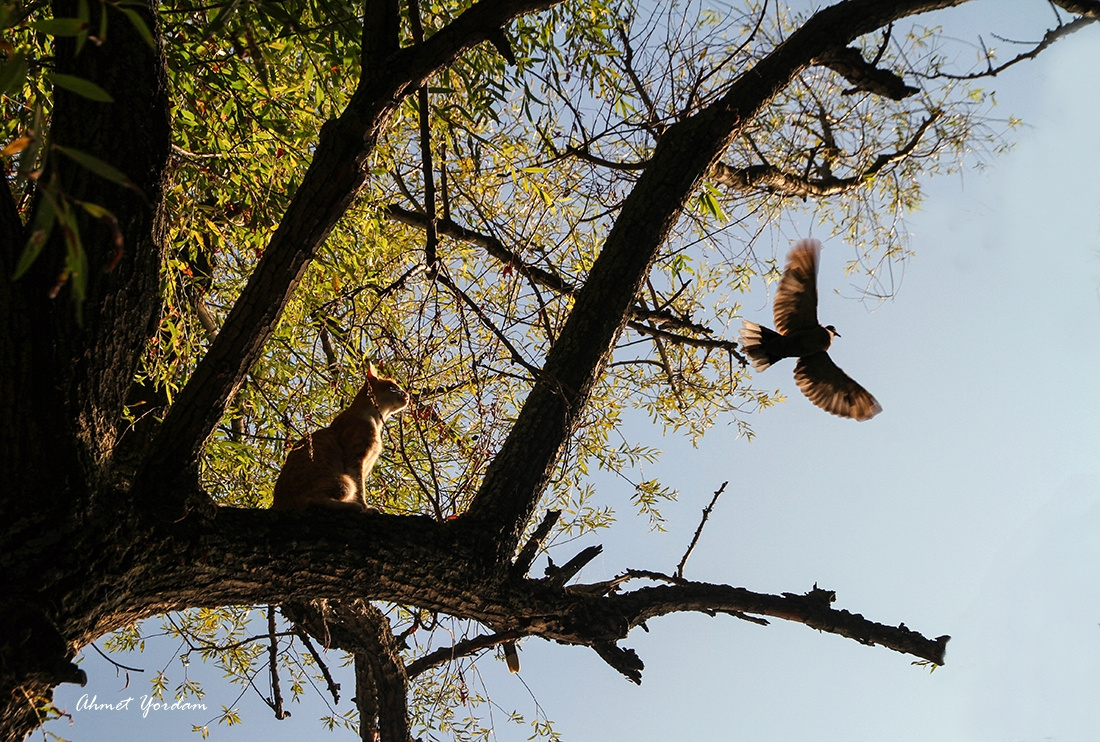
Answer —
777 180
730 346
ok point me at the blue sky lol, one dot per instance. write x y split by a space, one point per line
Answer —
969 507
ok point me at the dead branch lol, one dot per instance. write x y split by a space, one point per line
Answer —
1088 17
463 648
699 530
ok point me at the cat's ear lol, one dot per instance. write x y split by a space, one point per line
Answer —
372 372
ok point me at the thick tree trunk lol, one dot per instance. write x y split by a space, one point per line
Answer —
71 362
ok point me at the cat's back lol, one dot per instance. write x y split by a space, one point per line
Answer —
311 458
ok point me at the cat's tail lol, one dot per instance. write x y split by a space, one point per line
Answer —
760 344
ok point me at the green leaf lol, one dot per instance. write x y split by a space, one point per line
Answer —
82 87
709 201
13 73
76 261
220 20
96 210
139 24
96 165
40 232
82 14
60 26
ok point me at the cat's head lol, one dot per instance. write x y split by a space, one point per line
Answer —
388 396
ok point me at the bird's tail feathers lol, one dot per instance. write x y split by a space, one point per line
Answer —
755 339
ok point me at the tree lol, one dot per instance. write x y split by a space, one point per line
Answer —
194 268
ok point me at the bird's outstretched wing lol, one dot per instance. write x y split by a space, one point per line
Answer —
832 390
796 298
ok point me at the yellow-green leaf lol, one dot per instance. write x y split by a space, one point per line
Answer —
16 145
40 231
139 24
13 72
60 26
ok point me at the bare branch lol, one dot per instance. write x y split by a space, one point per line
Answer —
814 609
463 648
490 244
730 346
517 357
333 686
118 665
558 576
581 152
276 701
537 276
1089 15
699 530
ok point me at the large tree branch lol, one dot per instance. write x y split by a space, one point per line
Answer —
245 556
333 179
683 156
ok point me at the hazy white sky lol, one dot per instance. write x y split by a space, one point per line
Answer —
969 507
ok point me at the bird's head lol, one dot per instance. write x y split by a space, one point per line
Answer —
832 331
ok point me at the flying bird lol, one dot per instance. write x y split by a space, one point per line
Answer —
797 334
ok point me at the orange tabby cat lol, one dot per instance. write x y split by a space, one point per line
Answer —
329 467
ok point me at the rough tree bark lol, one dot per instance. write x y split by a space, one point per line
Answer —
84 552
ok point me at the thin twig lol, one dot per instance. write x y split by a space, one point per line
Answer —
699 530
276 702
1049 38
460 649
333 686
116 664
517 357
